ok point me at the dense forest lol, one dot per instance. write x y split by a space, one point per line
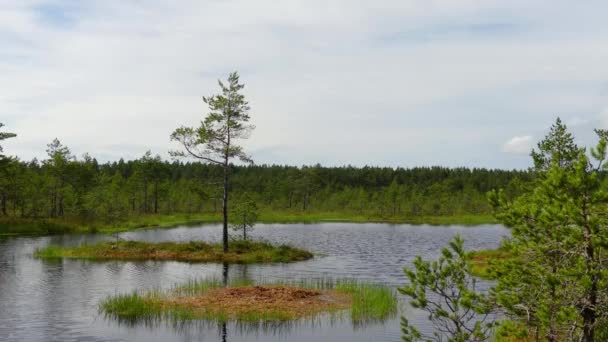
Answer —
65 186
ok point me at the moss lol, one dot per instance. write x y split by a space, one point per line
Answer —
193 251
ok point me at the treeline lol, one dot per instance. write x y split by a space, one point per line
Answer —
65 186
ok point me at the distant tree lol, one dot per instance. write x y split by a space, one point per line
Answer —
214 141
4 136
307 184
11 178
5 168
392 196
57 164
244 214
153 170
360 200
446 290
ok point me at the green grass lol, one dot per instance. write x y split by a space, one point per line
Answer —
366 302
369 301
16 226
481 261
134 307
194 251
12 226
315 217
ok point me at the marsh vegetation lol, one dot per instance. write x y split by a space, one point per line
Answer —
214 300
240 251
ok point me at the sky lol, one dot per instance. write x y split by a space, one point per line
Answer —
398 83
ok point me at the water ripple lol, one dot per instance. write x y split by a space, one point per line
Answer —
57 300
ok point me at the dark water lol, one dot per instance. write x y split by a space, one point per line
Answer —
57 300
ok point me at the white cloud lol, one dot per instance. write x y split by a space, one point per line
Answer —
518 145
347 81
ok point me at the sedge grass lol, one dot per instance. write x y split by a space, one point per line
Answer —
364 302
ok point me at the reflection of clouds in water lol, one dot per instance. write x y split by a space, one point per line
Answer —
58 300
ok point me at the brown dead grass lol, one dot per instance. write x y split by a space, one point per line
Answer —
288 301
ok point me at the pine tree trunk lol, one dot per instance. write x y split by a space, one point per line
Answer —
589 314
225 206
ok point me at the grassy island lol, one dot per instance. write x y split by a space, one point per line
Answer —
193 251
481 260
212 301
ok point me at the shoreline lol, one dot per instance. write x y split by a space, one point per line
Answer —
15 227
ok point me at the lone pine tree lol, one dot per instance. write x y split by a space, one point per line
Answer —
214 141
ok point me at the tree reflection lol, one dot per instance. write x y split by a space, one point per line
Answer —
223 327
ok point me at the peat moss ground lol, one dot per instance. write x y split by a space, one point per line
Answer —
193 251
211 301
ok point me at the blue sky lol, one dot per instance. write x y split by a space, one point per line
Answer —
390 83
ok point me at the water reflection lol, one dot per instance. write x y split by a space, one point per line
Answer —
58 300
223 331
239 276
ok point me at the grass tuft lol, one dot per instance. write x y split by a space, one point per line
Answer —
369 300
243 301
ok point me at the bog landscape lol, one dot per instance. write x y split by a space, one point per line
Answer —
244 222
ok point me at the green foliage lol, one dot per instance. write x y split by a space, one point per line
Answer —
244 214
82 195
214 141
558 147
446 289
555 281
125 194
4 136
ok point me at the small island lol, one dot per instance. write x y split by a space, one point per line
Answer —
211 300
239 252
481 261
